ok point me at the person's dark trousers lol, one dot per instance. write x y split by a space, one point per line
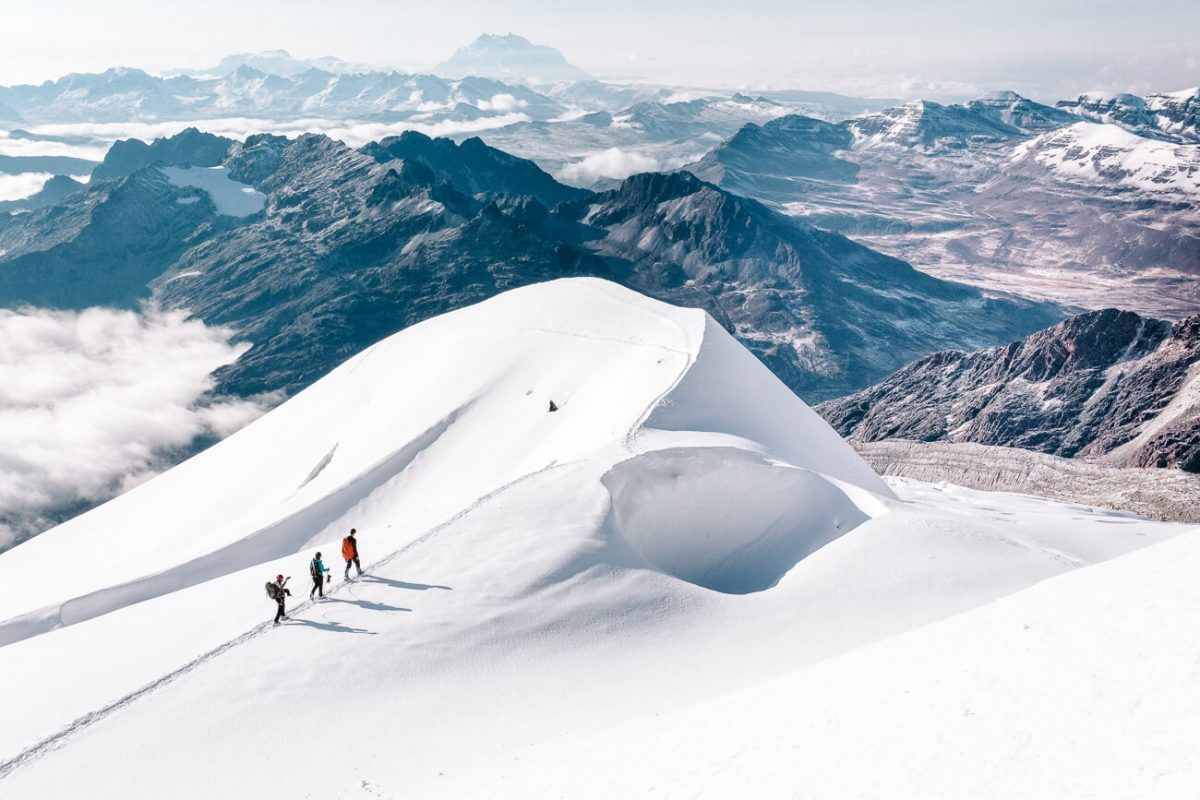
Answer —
318 587
279 612
353 561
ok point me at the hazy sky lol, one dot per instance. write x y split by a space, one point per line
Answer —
1044 48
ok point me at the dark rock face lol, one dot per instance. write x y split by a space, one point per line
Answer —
101 245
475 168
189 148
780 156
1127 110
353 245
1108 385
823 312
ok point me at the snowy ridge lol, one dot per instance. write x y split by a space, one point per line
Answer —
680 528
279 507
1107 154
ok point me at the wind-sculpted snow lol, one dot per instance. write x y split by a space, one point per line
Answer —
284 502
759 518
677 528
1082 681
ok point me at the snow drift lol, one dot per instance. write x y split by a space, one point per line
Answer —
423 424
679 528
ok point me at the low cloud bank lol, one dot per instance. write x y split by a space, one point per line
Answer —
93 403
22 185
613 163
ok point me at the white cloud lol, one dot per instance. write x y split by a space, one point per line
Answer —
503 103
95 402
612 163
25 147
21 185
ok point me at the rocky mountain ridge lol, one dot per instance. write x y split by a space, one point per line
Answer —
354 244
1001 192
1109 386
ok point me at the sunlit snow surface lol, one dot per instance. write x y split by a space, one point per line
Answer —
681 528
1106 154
230 197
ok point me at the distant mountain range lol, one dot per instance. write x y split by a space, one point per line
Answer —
123 95
511 58
1174 117
1108 386
351 245
1082 203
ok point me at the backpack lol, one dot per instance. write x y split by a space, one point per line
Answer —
272 590
348 549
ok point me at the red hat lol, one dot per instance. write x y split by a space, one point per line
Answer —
279 579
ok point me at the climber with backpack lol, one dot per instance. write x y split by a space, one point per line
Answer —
318 571
277 590
350 552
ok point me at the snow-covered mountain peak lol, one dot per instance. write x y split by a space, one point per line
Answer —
649 397
1000 96
512 58
1110 154
577 508
1020 113
929 125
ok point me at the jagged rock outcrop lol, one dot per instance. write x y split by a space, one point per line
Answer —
1107 385
188 148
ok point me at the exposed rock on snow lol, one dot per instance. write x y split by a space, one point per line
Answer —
1172 116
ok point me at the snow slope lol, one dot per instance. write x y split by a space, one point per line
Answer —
681 528
230 197
1107 154
1079 687
429 421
